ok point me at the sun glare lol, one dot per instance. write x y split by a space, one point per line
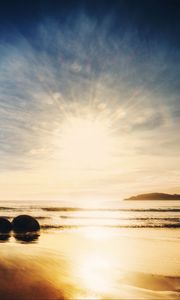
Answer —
85 144
94 273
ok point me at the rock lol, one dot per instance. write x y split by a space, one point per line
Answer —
5 225
26 237
25 223
4 237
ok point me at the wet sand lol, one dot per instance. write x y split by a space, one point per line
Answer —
91 263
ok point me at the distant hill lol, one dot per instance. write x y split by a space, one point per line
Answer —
155 196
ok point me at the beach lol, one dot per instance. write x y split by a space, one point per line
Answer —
90 262
89 150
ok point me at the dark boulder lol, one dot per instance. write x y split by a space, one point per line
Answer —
5 225
25 223
4 237
26 237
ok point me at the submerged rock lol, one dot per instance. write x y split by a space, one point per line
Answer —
5 225
4 237
26 237
25 223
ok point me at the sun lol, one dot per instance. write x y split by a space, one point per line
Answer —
85 143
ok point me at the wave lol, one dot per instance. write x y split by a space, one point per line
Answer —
9 208
176 219
76 209
38 217
47 226
111 209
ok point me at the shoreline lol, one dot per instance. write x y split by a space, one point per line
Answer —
55 271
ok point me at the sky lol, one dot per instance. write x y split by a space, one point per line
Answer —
89 99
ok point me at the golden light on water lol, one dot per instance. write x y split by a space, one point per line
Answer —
96 233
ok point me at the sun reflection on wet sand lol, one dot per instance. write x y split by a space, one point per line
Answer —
95 268
94 272
90 263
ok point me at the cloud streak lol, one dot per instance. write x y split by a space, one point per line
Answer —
82 68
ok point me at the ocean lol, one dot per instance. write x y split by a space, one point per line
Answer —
122 214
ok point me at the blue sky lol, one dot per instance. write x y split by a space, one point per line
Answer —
105 64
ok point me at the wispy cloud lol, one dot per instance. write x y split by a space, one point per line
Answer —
80 68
